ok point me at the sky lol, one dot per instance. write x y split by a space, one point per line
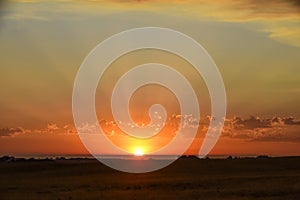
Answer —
255 44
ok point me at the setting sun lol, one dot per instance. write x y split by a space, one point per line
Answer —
138 152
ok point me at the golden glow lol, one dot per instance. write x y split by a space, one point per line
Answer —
138 151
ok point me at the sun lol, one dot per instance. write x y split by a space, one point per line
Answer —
138 152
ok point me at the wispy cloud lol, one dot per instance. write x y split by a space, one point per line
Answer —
279 19
53 128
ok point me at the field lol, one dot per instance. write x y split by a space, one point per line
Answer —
187 178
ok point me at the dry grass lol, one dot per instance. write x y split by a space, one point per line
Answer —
187 178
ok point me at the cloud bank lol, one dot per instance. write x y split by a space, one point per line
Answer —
275 129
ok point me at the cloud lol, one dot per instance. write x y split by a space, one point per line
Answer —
49 129
279 19
289 121
276 129
250 123
4 132
53 128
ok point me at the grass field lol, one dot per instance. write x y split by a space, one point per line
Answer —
187 178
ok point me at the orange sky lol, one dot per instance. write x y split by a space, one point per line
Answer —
256 46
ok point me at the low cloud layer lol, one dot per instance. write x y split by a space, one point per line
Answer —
275 129
49 129
11 131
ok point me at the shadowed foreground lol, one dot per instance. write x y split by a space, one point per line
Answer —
187 178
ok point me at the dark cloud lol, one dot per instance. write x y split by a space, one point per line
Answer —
276 129
291 121
250 123
270 6
255 122
10 131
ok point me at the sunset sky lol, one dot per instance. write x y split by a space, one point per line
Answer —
255 44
